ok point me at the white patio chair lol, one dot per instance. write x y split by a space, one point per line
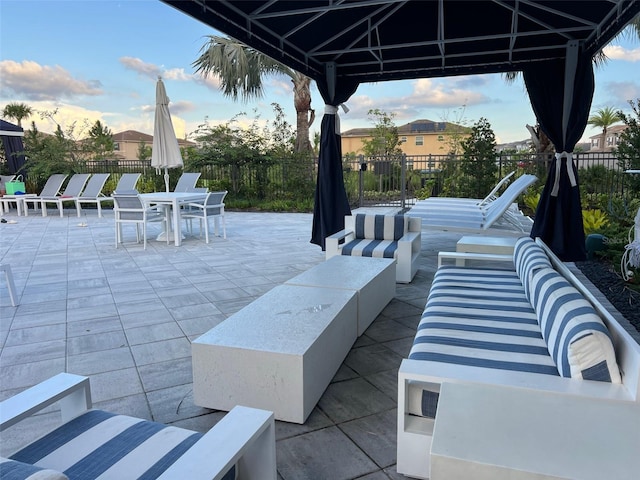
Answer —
128 208
51 189
71 191
127 183
91 443
213 206
187 182
93 193
491 196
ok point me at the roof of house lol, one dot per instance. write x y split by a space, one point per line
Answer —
613 129
135 136
420 126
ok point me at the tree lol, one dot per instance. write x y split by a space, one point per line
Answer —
479 158
604 118
100 142
241 70
628 150
17 111
384 141
144 151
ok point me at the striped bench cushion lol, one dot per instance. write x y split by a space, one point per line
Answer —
380 227
14 470
577 339
478 318
101 444
362 247
528 256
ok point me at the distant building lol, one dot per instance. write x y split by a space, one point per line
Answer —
601 144
517 146
420 137
127 144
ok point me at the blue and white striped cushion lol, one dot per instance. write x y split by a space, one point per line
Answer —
362 247
577 339
528 256
14 470
101 444
380 227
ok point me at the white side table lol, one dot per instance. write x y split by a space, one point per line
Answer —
21 206
491 432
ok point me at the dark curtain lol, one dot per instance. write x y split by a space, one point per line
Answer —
13 148
331 202
558 218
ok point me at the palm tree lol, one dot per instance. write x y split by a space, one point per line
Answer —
18 111
604 118
241 69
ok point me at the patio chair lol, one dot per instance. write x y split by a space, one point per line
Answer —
51 189
4 179
187 182
11 287
71 191
93 193
213 206
491 196
128 208
93 443
127 183
475 217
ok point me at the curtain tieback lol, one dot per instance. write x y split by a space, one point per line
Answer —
333 110
572 177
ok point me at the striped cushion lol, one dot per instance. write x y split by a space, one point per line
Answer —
577 339
98 443
13 470
362 247
380 227
528 256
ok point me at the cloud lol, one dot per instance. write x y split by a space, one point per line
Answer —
145 69
181 107
616 52
622 92
152 70
33 81
430 93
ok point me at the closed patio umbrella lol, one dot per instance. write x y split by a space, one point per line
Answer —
14 149
166 152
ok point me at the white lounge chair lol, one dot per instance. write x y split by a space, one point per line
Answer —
99 444
71 191
127 183
93 193
51 189
472 216
187 182
493 195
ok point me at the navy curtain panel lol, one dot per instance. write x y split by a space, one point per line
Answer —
331 203
13 148
558 218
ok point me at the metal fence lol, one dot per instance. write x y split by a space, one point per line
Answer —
389 181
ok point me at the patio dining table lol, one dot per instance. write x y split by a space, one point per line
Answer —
173 201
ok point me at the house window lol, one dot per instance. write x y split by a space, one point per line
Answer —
419 140
403 139
440 138
595 142
116 146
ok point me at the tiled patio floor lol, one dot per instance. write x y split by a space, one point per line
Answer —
125 317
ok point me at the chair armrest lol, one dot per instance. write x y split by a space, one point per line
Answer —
73 392
462 257
332 242
245 436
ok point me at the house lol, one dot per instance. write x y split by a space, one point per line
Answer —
420 137
610 142
126 145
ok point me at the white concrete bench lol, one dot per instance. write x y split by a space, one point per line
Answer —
372 278
278 353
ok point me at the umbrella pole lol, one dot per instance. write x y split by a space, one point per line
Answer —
166 178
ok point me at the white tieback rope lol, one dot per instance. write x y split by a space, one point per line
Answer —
333 110
572 177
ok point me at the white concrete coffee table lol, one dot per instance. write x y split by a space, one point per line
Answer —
374 280
278 353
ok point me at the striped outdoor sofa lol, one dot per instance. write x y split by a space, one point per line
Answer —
522 326
382 236
93 444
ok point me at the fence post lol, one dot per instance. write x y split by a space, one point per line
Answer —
403 180
363 168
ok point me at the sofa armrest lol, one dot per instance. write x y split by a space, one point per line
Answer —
73 392
245 437
461 258
332 242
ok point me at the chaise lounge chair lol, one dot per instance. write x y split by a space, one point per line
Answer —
93 193
93 444
51 189
493 195
473 216
71 191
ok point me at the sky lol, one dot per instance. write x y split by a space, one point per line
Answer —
99 60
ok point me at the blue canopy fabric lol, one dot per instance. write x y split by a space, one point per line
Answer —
13 147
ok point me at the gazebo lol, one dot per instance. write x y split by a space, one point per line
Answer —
341 44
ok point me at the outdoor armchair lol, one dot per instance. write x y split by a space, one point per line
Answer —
93 193
129 208
212 207
92 443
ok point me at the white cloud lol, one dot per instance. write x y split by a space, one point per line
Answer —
617 52
30 80
145 69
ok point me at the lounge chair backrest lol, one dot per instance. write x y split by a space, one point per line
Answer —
75 185
53 185
495 209
127 183
187 182
95 185
492 194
